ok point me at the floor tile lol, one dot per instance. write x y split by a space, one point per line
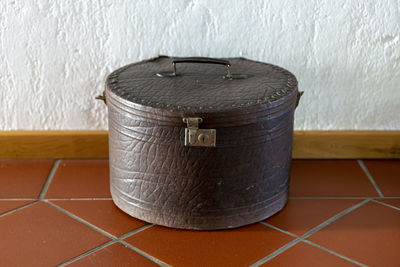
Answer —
113 255
301 215
236 247
369 235
102 213
393 202
23 178
40 235
80 179
386 174
329 178
306 255
12 204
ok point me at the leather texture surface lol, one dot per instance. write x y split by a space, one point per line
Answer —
201 87
242 180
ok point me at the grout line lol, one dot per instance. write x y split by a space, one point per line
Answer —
114 238
87 253
364 168
18 208
276 252
81 220
135 231
343 197
334 218
330 197
119 240
144 254
309 233
279 229
386 204
334 253
14 199
49 178
82 198
139 251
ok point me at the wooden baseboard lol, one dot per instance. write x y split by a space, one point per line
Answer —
346 144
54 144
307 144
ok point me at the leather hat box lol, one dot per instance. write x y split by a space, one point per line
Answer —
200 143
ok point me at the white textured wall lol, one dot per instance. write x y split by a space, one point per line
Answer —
54 55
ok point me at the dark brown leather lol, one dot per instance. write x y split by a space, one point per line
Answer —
242 180
201 87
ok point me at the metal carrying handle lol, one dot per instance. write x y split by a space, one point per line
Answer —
202 60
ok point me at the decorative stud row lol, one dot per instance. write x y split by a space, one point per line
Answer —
291 84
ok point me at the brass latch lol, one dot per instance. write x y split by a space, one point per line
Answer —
198 137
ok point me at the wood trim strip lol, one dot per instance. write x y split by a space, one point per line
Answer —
307 144
346 144
54 144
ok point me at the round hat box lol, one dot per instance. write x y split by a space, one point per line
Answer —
200 143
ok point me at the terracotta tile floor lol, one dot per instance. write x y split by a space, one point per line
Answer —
60 212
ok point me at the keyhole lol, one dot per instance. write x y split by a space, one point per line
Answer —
203 138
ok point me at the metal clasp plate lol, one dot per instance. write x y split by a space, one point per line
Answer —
198 137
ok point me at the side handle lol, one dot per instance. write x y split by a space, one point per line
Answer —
299 94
